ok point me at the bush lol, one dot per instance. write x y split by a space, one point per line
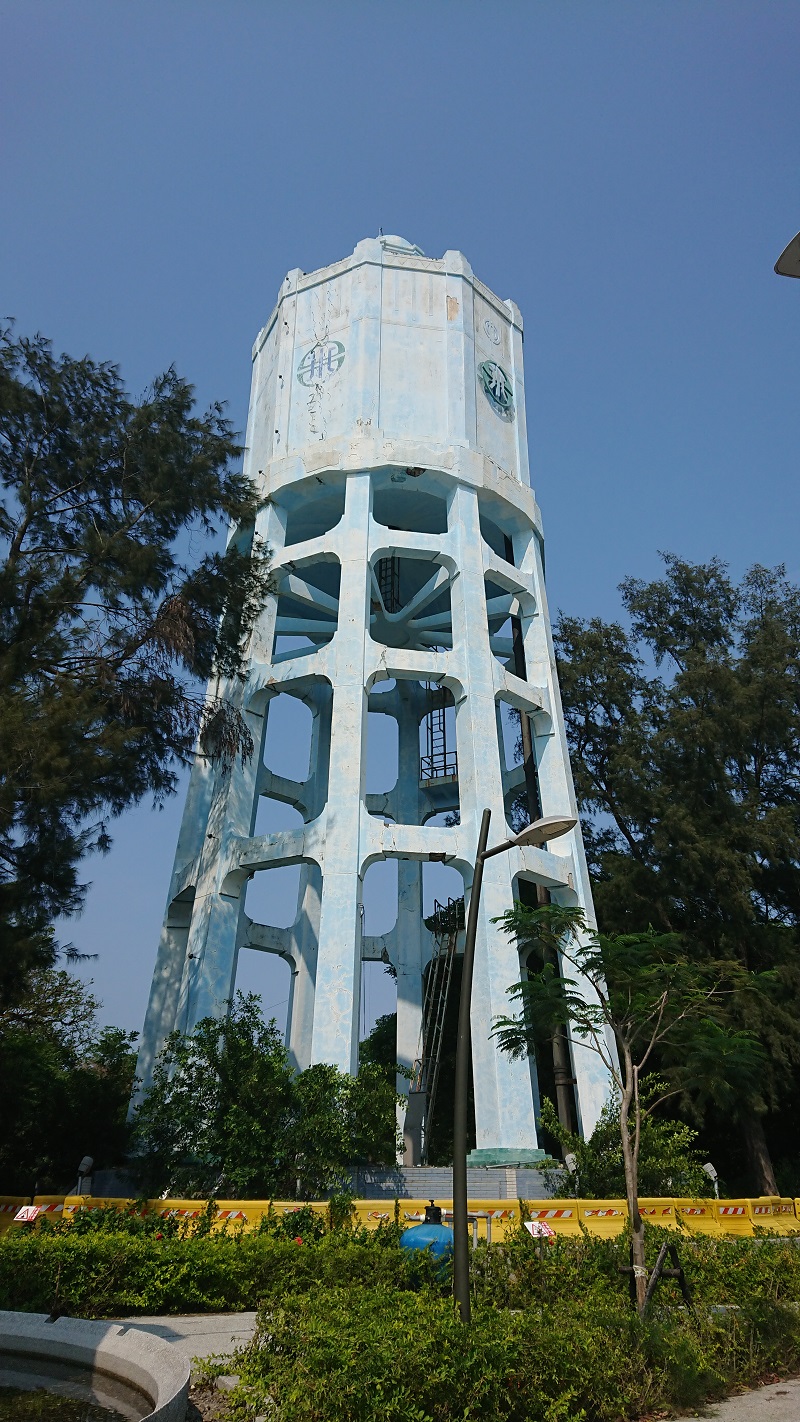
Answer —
104 1274
107 1263
376 1356
669 1163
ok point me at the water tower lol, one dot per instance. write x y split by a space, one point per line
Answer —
387 434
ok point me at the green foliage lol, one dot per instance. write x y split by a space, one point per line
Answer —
103 1272
684 733
227 1115
646 995
351 1327
68 1085
104 626
646 989
635 993
376 1356
668 1162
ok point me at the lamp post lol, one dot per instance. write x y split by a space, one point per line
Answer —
538 834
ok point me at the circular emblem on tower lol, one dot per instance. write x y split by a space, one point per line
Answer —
497 387
320 363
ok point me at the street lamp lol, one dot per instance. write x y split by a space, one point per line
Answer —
536 834
788 263
710 1171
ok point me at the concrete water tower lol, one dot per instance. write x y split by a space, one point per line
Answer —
387 434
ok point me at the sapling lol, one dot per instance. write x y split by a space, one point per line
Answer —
640 994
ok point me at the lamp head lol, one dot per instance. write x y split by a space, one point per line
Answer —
709 1170
571 1162
542 831
85 1166
788 263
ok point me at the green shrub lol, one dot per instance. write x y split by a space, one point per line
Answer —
106 1264
373 1355
103 1274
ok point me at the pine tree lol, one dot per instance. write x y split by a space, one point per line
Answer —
684 731
108 623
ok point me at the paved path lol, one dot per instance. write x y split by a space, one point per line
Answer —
199 1335
778 1402
202 1335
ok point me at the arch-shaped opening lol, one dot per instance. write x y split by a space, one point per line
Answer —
382 753
443 899
378 1002
272 816
407 507
552 1057
498 537
379 898
447 817
500 604
410 603
521 792
313 507
271 895
269 977
287 741
501 524
308 608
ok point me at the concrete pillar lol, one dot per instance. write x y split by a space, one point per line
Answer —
335 1035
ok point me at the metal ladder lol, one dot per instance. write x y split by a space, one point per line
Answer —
447 921
439 761
388 573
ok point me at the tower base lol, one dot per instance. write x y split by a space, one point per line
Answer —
505 1156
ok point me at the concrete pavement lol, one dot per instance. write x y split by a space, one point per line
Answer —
777 1402
198 1335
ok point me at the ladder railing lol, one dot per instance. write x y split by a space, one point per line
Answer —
388 572
447 920
439 761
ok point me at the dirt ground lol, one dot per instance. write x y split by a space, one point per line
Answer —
206 1405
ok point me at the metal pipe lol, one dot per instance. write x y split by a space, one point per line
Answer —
463 1052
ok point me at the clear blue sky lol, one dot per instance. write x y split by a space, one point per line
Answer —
628 172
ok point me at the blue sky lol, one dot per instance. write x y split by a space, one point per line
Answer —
627 172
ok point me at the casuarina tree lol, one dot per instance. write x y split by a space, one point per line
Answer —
110 621
684 732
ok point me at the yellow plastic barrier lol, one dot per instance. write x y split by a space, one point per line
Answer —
492 1220
9 1204
699 1216
659 1212
561 1215
605 1218
733 1216
775 1213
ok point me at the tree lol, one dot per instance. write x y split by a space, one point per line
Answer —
67 1085
684 733
227 1115
107 624
669 1163
643 992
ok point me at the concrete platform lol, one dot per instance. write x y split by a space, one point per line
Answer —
197 1335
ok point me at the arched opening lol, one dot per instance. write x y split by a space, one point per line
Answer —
271 895
269 977
407 507
308 608
287 744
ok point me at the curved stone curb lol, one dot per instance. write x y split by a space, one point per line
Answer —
139 1360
